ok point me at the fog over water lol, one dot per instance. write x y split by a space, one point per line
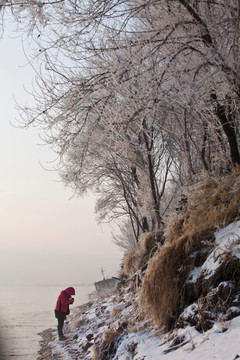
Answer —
25 311
47 237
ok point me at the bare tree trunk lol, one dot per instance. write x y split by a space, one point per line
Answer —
156 221
229 130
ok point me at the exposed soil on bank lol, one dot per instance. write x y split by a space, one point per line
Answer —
45 351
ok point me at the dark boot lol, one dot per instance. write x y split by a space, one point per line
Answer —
62 338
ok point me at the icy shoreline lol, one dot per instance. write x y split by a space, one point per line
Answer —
49 345
45 349
132 338
115 328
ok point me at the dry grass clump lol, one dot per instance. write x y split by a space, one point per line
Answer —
137 258
107 349
95 352
115 312
214 204
164 279
220 303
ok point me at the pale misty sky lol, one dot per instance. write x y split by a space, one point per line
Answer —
46 237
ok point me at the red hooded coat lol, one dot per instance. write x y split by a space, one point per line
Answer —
63 301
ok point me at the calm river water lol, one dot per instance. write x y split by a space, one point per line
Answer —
27 310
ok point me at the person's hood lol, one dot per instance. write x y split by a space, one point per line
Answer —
70 291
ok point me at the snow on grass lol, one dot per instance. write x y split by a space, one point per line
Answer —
220 343
227 240
140 341
228 233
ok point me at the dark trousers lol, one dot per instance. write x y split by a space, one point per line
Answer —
60 326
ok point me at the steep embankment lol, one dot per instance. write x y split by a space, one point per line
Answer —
181 299
115 327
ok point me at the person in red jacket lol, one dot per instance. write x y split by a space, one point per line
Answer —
62 308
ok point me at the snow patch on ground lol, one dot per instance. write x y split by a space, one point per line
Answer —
227 241
140 340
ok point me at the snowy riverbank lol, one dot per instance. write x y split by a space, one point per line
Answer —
115 328
127 337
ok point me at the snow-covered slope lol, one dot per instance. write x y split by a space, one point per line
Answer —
114 328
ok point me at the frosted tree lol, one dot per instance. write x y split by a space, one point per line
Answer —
200 78
123 147
137 98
